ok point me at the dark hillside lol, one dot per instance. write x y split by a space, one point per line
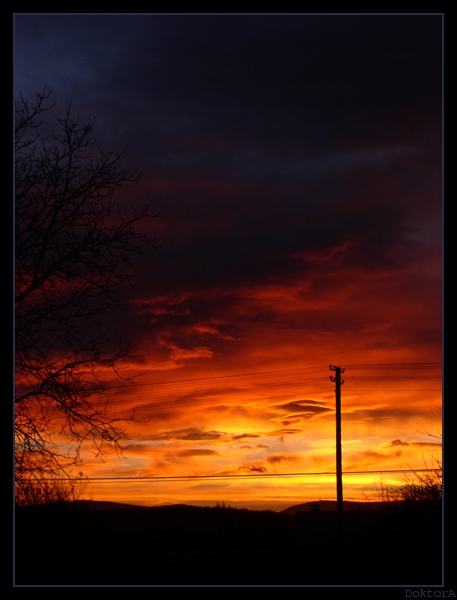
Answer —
181 544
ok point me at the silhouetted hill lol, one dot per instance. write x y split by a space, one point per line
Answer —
319 505
98 543
326 505
104 505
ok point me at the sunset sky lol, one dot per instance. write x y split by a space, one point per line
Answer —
295 163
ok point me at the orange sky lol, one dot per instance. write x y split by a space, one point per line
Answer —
236 431
295 164
235 410
234 389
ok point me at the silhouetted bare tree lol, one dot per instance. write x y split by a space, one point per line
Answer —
417 486
50 489
421 485
73 252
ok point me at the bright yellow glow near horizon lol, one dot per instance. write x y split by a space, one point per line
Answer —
267 440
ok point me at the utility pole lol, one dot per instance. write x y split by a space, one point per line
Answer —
339 468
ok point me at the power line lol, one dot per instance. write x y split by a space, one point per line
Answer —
228 383
159 478
263 381
276 373
418 365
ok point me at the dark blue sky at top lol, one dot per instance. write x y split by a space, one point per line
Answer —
259 136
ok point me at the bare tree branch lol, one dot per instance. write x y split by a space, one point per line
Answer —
73 253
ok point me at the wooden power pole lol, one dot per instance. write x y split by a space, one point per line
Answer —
339 466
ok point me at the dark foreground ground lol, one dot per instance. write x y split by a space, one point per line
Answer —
185 545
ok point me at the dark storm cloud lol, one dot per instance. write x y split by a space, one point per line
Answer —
295 163
314 67
260 89
260 138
